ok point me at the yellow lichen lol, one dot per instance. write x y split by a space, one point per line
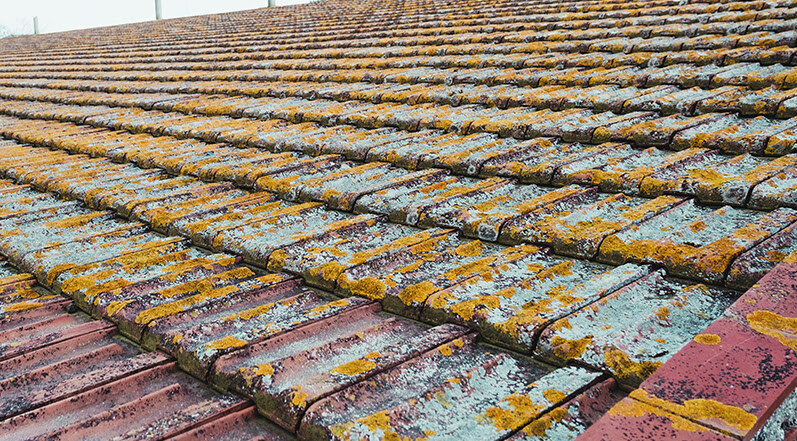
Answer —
368 287
418 292
707 339
226 343
775 325
265 369
522 409
355 367
298 398
568 349
470 249
702 410
619 363
554 396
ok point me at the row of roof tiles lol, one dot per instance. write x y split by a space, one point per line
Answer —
492 209
258 370
241 308
314 242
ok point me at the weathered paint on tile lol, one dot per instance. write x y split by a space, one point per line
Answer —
459 389
511 302
333 354
694 241
634 420
152 404
196 338
633 330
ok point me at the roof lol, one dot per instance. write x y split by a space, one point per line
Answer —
347 220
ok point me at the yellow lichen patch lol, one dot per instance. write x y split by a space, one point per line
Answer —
264 369
568 349
698 226
470 249
372 355
248 314
702 410
298 398
328 271
539 427
276 261
417 293
22 306
554 396
379 420
522 409
619 363
635 409
775 325
466 310
116 306
226 343
355 367
368 287
707 339
321 308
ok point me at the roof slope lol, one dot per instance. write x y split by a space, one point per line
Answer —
404 220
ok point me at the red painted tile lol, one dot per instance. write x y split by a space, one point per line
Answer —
155 403
631 420
737 375
67 368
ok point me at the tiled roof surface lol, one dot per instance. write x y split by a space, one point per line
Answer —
514 219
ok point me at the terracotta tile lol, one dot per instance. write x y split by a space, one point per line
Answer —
197 338
402 281
512 302
236 426
28 331
633 330
476 386
321 260
70 367
633 420
694 241
332 357
154 403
